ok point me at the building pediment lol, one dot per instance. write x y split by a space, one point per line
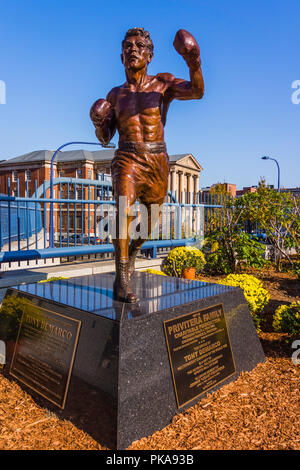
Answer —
189 162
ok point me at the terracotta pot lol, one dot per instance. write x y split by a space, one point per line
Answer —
189 273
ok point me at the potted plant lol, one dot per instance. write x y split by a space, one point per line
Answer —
189 273
184 262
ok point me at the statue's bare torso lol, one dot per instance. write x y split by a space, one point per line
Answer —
141 111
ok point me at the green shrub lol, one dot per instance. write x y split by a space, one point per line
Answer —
297 269
183 257
256 296
10 316
227 251
287 318
215 256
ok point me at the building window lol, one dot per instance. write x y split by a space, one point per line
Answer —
79 173
78 193
27 175
79 223
90 174
14 176
64 193
64 222
61 174
71 222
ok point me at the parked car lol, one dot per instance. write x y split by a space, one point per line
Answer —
72 240
80 239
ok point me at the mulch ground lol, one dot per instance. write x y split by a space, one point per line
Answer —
260 410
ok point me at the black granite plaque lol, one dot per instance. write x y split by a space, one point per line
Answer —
199 352
44 352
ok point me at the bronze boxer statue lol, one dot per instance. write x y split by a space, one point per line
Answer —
138 109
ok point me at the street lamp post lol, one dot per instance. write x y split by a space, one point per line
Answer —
278 170
51 222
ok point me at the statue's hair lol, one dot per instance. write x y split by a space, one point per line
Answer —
139 32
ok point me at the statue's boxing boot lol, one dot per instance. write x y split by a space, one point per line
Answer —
122 290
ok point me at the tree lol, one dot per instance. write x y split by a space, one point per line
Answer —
227 246
277 214
219 188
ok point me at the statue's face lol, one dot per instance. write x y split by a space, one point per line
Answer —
135 53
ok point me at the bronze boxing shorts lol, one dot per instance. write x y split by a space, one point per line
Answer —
140 171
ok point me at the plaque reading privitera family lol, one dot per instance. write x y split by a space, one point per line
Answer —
199 352
44 352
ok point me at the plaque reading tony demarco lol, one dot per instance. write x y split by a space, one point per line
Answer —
44 352
199 351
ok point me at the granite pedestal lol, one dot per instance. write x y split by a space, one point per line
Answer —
122 371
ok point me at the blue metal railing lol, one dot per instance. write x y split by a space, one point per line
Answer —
83 214
18 221
51 224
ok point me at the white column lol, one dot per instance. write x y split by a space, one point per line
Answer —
188 188
196 187
180 185
173 182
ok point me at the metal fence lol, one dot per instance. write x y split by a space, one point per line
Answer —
83 215
19 221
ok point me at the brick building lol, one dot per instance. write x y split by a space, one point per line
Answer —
227 188
26 172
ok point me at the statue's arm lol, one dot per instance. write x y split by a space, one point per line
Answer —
103 116
187 46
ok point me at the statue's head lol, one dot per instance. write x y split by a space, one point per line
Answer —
137 49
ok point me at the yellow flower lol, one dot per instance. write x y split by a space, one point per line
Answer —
256 296
184 257
154 271
287 318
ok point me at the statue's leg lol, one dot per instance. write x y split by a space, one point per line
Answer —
151 191
135 245
124 196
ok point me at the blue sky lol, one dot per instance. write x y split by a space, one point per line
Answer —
58 57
